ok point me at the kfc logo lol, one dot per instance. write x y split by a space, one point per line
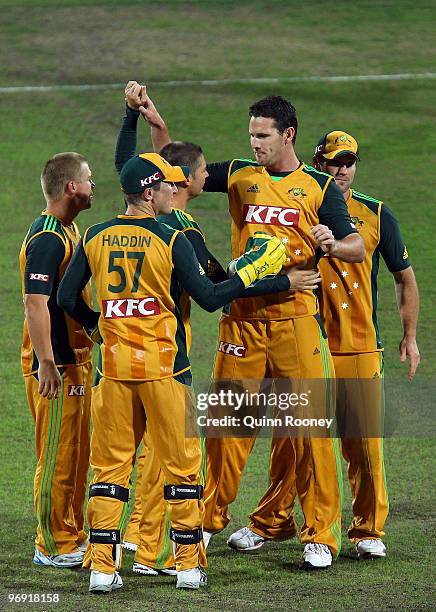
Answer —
40 277
157 176
130 307
77 390
271 215
232 349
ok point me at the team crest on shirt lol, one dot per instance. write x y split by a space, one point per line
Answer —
296 192
357 222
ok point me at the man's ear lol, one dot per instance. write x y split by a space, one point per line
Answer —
289 134
147 194
70 188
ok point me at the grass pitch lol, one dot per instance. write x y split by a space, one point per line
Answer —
93 41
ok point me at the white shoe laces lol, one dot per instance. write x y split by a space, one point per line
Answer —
316 548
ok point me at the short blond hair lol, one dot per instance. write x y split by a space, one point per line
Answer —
58 171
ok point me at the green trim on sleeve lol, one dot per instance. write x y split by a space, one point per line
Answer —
322 178
240 164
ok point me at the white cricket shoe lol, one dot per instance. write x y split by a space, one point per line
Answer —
73 559
245 540
100 582
316 556
146 570
191 578
129 546
370 549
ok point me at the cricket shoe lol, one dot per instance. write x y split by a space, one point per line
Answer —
129 546
245 540
100 582
145 570
191 579
371 549
316 556
73 559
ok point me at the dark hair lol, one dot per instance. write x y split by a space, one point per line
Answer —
182 153
279 109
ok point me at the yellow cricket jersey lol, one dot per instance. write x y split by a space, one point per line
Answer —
349 290
131 262
286 205
44 256
141 268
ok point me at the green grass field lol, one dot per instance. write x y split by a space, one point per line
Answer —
102 42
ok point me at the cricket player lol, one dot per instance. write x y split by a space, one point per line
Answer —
56 364
282 336
349 311
140 268
155 552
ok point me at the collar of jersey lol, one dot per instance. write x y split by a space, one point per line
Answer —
45 214
283 174
144 216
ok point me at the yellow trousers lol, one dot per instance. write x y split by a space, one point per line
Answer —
62 452
359 408
366 472
120 411
294 350
149 523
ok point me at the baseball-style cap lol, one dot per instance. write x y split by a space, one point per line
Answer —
148 169
335 144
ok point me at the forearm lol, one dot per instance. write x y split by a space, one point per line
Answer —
350 249
211 297
39 326
407 295
69 295
160 136
126 142
267 286
195 282
71 301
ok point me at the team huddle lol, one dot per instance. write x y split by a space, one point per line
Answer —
299 303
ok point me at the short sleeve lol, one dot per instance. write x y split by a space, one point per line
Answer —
333 212
217 181
391 245
44 255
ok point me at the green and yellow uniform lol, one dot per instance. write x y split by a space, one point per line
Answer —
349 310
141 268
277 336
61 425
149 523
